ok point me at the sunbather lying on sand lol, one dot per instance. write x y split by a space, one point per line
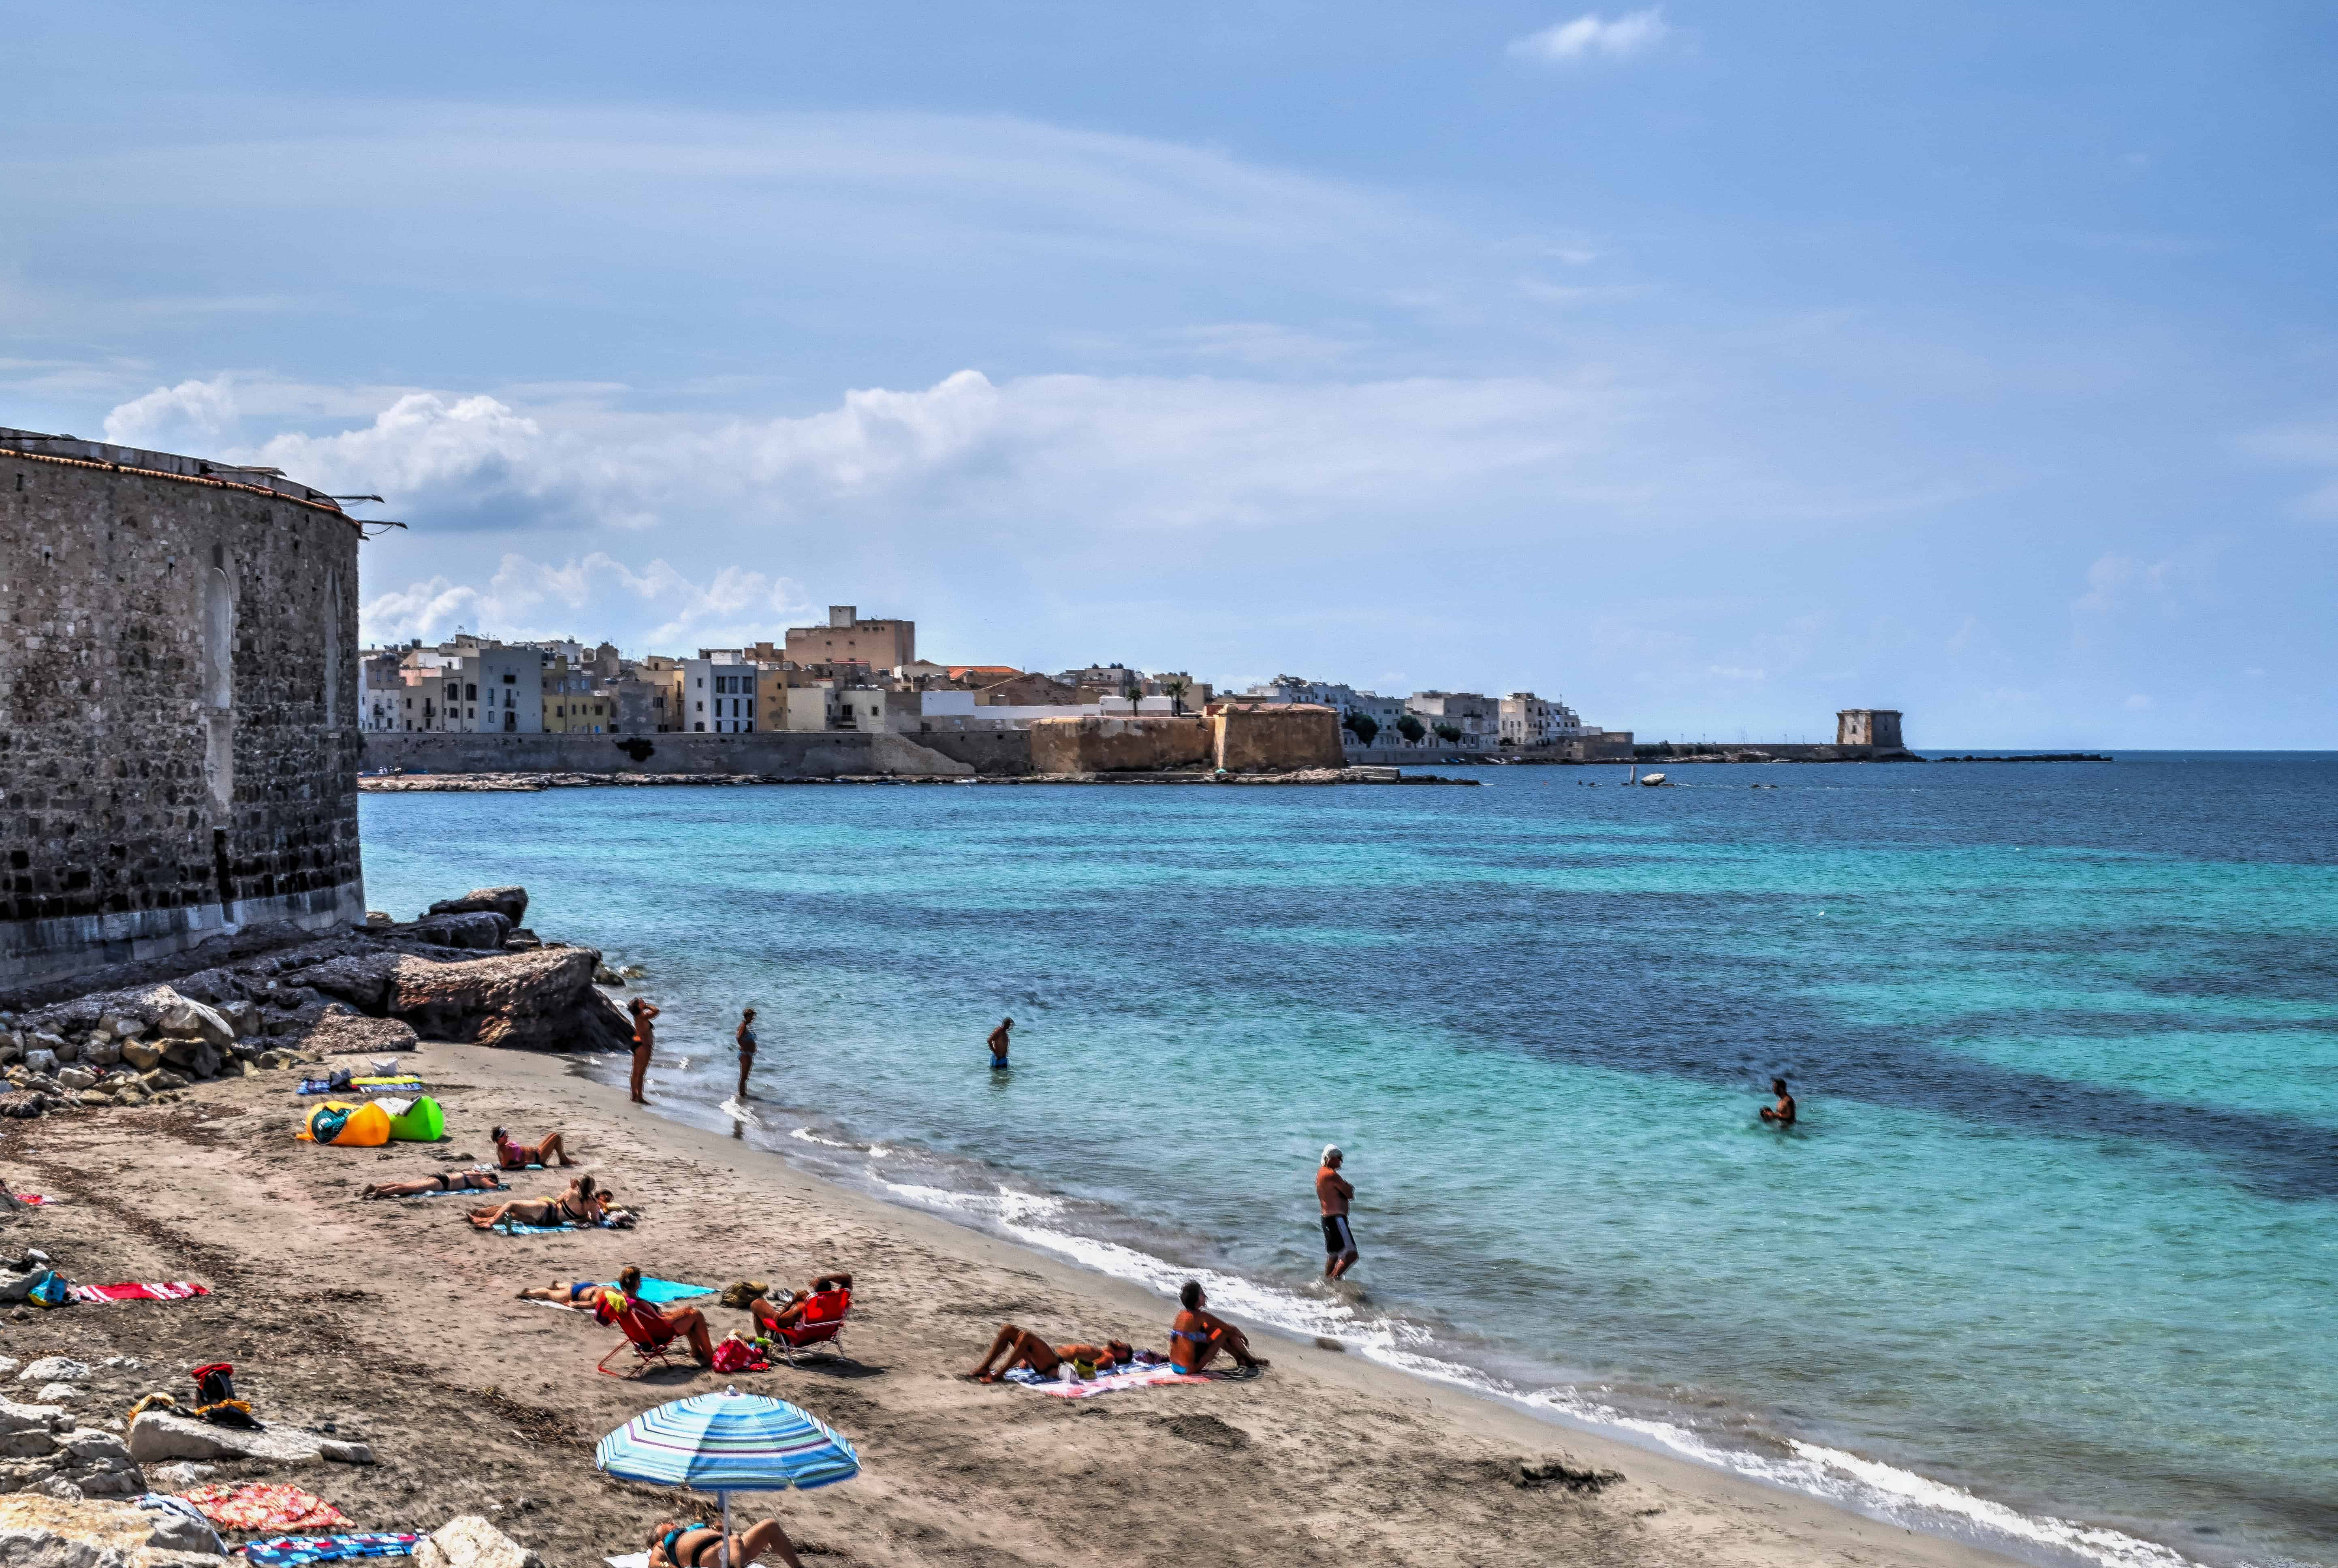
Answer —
576 1293
445 1181
584 1203
674 1546
520 1156
771 1319
1021 1348
1197 1336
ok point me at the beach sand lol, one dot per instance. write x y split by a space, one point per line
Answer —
395 1322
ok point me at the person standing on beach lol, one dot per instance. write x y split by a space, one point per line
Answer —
644 1040
746 1051
1782 1113
997 1043
1333 1193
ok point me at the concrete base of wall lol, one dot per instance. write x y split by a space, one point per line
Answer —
787 753
38 951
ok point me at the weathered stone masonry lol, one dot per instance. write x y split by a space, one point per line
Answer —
178 706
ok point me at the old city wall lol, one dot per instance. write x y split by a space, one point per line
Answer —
1276 738
1095 744
783 754
178 701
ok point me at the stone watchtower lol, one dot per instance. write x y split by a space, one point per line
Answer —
178 704
1877 727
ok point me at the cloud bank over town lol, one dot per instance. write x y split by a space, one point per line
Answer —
1639 357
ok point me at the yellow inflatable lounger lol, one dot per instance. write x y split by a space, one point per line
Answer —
362 1125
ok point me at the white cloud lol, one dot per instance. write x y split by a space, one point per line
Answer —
1590 34
2137 702
529 599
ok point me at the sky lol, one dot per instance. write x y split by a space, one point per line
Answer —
1711 366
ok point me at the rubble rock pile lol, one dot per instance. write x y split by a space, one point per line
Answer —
466 971
44 1447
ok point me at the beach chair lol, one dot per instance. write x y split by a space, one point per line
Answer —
650 1341
822 1323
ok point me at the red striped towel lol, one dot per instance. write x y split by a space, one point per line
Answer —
32 1198
174 1290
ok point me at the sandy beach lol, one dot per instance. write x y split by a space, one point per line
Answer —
396 1323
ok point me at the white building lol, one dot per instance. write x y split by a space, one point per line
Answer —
1528 720
1343 699
717 694
1457 721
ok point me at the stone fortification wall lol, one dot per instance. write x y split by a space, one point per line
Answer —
787 753
178 706
1274 738
1093 744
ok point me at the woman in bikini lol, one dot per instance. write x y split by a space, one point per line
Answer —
514 1155
645 1042
445 1181
669 1322
583 1204
1197 1336
699 1545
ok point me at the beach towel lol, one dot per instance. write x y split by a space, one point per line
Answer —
660 1291
1110 1383
629 1560
31 1197
289 1551
258 1505
174 1290
513 1228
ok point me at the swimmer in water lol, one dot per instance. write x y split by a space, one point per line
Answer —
997 1043
1782 1113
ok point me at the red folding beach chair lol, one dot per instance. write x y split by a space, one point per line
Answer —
646 1335
822 1323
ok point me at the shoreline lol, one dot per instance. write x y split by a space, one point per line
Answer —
533 782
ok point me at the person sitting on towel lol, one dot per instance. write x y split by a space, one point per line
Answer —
1021 1348
583 1204
1197 1336
771 1319
445 1181
514 1155
674 1546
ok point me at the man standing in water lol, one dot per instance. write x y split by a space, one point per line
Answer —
998 1045
1333 1192
1782 1113
746 1051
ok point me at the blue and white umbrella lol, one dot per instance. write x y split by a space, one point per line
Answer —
729 1442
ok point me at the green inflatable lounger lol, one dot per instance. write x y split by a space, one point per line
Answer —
418 1120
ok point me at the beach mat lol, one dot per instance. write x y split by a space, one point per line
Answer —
290 1551
1110 1383
658 1292
171 1290
264 1507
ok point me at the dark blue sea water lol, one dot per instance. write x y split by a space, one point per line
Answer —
2050 1261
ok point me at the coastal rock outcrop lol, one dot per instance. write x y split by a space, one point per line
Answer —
482 930
158 1434
338 1034
511 903
38 1531
544 1000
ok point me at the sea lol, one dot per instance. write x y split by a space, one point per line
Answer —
2048 1262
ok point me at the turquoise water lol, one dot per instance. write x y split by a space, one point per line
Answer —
2047 1264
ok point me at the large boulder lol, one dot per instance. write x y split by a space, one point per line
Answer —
195 1057
38 1531
359 978
481 931
511 903
468 1540
544 1000
350 1034
188 1020
157 1436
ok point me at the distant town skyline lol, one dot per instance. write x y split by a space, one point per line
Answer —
1715 368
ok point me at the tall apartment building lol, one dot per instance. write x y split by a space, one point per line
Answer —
1457 721
1528 720
847 639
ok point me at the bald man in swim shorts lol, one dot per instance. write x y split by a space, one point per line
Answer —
1333 1193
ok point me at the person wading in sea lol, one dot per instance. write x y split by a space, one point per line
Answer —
1782 1113
997 1043
1333 1193
644 1040
746 1051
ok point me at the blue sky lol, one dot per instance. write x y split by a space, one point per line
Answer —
1713 366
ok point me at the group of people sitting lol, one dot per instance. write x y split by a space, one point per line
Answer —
1197 1338
662 1324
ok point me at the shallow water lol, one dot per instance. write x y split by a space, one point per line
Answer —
2047 1262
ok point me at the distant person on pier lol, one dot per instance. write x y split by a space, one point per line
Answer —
997 1043
1333 1193
1782 1113
746 1051
644 1040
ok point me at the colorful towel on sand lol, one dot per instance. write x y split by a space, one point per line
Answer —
1110 1383
171 1290
513 1228
261 1505
289 1551
32 1198
660 1291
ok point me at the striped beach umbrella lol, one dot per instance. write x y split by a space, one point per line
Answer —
729 1442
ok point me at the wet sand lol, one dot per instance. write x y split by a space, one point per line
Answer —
394 1321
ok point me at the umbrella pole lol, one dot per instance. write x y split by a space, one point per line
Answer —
726 1530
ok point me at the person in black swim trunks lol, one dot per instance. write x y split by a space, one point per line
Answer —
699 1545
1333 1193
445 1181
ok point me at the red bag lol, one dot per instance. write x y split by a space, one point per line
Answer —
737 1356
